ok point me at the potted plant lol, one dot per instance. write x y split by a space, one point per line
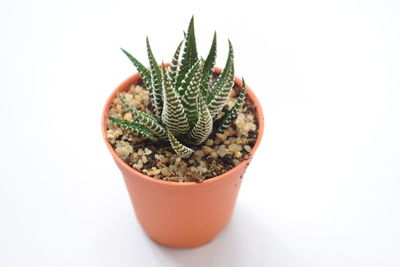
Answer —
182 135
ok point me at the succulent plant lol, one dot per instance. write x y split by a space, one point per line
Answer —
185 100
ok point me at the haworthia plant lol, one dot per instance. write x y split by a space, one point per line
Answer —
185 101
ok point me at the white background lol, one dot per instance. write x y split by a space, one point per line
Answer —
324 186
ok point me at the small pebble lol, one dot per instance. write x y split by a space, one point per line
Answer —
138 98
199 153
222 151
235 148
139 164
165 172
128 116
221 137
209 142
207 150
140 152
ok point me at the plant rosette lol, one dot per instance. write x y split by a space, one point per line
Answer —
176 211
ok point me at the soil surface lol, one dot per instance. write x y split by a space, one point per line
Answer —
220 153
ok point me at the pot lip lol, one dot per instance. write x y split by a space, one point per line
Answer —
244 163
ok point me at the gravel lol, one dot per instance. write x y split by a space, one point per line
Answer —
220 153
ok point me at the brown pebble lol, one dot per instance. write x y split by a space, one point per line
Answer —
128 116
199 153
166 172
221 137
206 149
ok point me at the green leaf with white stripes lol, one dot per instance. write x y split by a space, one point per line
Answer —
173 67
145 74
156 79
204 124
180 149
226 120
192 92
134 127
189 56
144 118
220 91
209 66
188 78
173 114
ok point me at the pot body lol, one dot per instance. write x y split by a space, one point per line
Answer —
182 214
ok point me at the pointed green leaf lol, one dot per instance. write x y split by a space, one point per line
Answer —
173 114
188 78
173 67
189 98
156 79
189 56
204 124
220 91
145 74
146 119
226 120
180 149
133 127
209 66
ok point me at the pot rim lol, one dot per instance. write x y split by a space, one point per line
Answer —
128 82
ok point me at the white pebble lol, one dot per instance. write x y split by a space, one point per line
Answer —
140 152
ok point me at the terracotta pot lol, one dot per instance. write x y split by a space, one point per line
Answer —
188 214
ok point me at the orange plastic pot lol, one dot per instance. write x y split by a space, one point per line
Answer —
188 214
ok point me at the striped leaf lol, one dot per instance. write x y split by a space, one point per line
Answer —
180 149
204 124
191 93
189 56
144 118
188 78
173 67
156 79
173 114
145 74
226 120
209 66
134 127
220 91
